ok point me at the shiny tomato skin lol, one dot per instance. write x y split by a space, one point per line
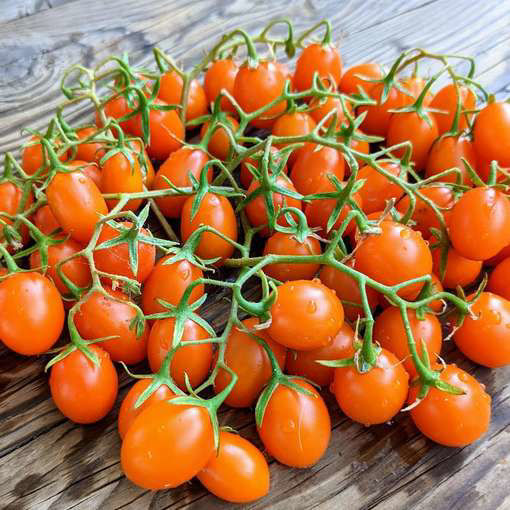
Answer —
167 445
170 91
219 143
255 87
389 332
217 212
352 79
239 473
100 316
491 133
479 225
246 176
32 156
306 315
499 279
396 255
281 243
45 220
195 360
414 85
312 167
116 108
91 152
296 427
221 75
485 340
82 391
77 269
128 412
375 396
316 58
304 363
91 170
31 313
250 361
446 100
294 124
169 282
177 168
76 203
378 189
115 260
453 420
10 201
320 108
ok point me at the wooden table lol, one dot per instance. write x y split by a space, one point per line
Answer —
48 462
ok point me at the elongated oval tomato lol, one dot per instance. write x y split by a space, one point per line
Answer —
169 282
214 211
375 396
294 124
304 363
193 360
11 196
323 59
221 75
92 151
31 313
306 315
83 391
499 280
77 204
167 445
479 225
453 420
238 473
219 143
176 169
485 339
32 156
45 220
446 101
128 412
100 316
254 160
320 108
296 427
389 331
250 361
356 76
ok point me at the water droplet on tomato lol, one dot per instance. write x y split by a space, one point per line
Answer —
405 233
311 307
185 273
289 426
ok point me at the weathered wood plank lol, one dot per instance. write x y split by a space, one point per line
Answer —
22 8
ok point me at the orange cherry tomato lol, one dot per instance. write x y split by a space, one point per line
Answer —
144 161
83 391
32 156
91 170
219 143
306 315
446 100
375 396
221 75
499 280
194 360
353 78
246 176
319 108
116 108
294 124
415 85
45 220
10 201
296 427
91 152
31 313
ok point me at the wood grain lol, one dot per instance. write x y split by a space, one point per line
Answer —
46 461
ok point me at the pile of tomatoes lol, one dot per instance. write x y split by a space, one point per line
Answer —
369 208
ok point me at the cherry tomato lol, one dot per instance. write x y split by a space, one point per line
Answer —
446 100
249 360
356 145
77 269
214 211
499 280
128 412
10 200
306 315
294 124
169 282
144 161
116 108
45 220
312 168
411 127
484 339
479 225
219 143
375 396
255 87
353 78
437 305
453 420
323 59
167 445
492 128
221 75
296 427
83 391
91 152
238 473
347 289
389 332
246 176
177 168
115 260
304 363
256 209
423 214
501 255
319 108
170 91
31 313
32 156
91 170
378 189
281 243
194 360
394 256
415 85
76 203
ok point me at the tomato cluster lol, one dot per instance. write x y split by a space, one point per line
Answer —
369 195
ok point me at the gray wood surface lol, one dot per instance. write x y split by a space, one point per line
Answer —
46 461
